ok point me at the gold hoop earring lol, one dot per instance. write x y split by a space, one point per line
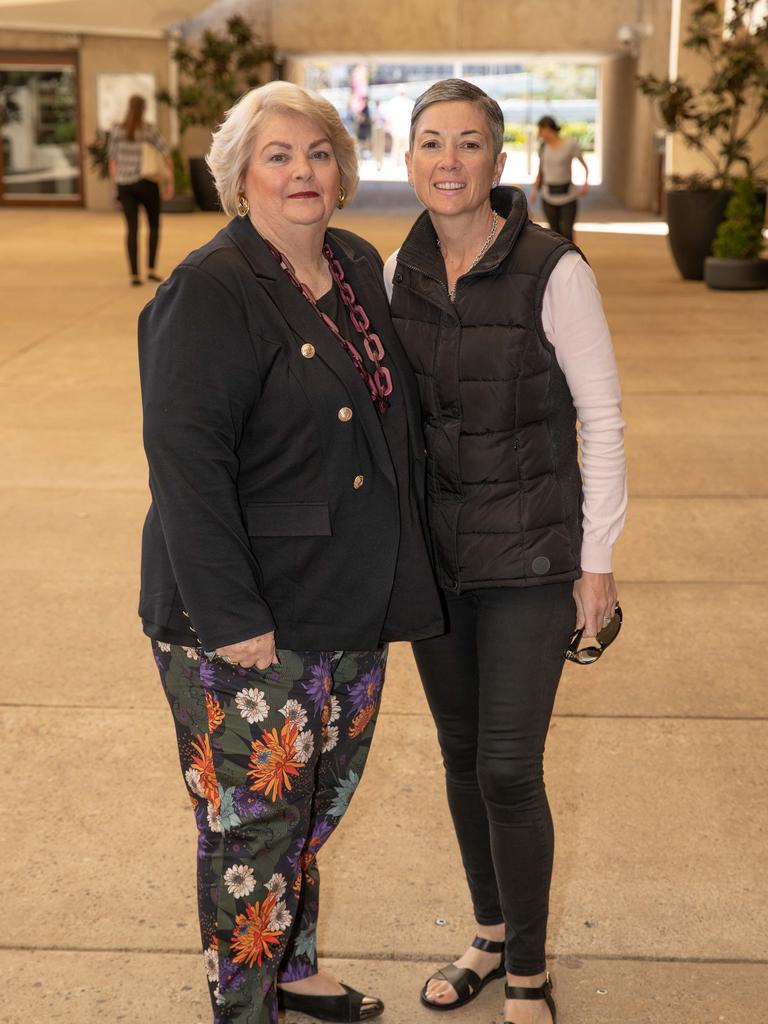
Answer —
342 197
243 206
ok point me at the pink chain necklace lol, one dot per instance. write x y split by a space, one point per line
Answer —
379 383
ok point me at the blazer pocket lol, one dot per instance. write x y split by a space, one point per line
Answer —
289 519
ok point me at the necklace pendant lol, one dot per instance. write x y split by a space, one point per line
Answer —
485 247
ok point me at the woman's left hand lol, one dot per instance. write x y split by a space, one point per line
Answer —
596 598
584 189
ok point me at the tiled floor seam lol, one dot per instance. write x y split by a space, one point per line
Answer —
420 714
398 958
57 330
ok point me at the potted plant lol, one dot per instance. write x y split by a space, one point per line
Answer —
716 119
735 264
211 78
182 200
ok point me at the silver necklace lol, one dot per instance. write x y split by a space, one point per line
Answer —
486 246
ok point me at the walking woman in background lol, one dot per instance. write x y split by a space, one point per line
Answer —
285 545
559 195
504 327
138 160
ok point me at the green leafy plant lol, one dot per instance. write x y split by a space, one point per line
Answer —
216 74
740 235
181 182
98 150
718 118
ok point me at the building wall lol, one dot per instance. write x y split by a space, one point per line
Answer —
356 27
98 54
102 54
631 167
301 28
402 26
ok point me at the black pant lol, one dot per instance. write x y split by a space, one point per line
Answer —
147 194
491 684
561 218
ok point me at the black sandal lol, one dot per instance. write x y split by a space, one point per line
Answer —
352 1006
542 992
467 984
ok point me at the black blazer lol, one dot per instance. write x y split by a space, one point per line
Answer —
268 511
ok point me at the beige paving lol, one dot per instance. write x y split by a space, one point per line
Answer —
655 763
137 987
691 794
674 682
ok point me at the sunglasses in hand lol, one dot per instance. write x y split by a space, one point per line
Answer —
604 638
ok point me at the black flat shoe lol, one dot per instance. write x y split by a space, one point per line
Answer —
136 282
467 984
351 1006
152 276
542 992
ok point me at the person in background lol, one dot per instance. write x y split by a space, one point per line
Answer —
398 114
363 130
378 134
559 195
503 323
285 545
126 159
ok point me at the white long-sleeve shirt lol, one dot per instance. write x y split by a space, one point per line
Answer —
575 325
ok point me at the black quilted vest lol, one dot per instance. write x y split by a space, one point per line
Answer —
504 488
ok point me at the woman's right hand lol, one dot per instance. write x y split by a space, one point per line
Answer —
258 651
534 194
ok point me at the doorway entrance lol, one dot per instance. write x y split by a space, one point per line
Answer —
40 152
375 96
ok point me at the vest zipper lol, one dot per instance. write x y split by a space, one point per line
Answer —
418 270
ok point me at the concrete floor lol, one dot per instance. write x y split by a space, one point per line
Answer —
656 762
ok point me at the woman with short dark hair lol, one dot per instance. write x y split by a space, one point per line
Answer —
559 195
503 325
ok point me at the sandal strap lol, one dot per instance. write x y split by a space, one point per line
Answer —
487 945
464 980
519 992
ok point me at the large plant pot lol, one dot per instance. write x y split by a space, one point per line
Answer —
693 219
204 190
735 275
184 203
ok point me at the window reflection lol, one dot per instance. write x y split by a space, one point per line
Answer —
38 112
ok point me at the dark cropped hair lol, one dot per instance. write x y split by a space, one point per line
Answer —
457 90
548 122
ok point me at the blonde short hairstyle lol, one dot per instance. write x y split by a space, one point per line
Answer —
234 139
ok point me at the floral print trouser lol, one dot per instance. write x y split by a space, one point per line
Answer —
271 759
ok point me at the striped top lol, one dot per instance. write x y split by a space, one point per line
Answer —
127 153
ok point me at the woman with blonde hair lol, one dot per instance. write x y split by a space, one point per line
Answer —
285 544
129 143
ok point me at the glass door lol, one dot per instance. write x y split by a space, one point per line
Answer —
40 158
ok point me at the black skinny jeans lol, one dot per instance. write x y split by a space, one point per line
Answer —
491 684
147 194
561 218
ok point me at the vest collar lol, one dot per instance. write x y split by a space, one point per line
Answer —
420 252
